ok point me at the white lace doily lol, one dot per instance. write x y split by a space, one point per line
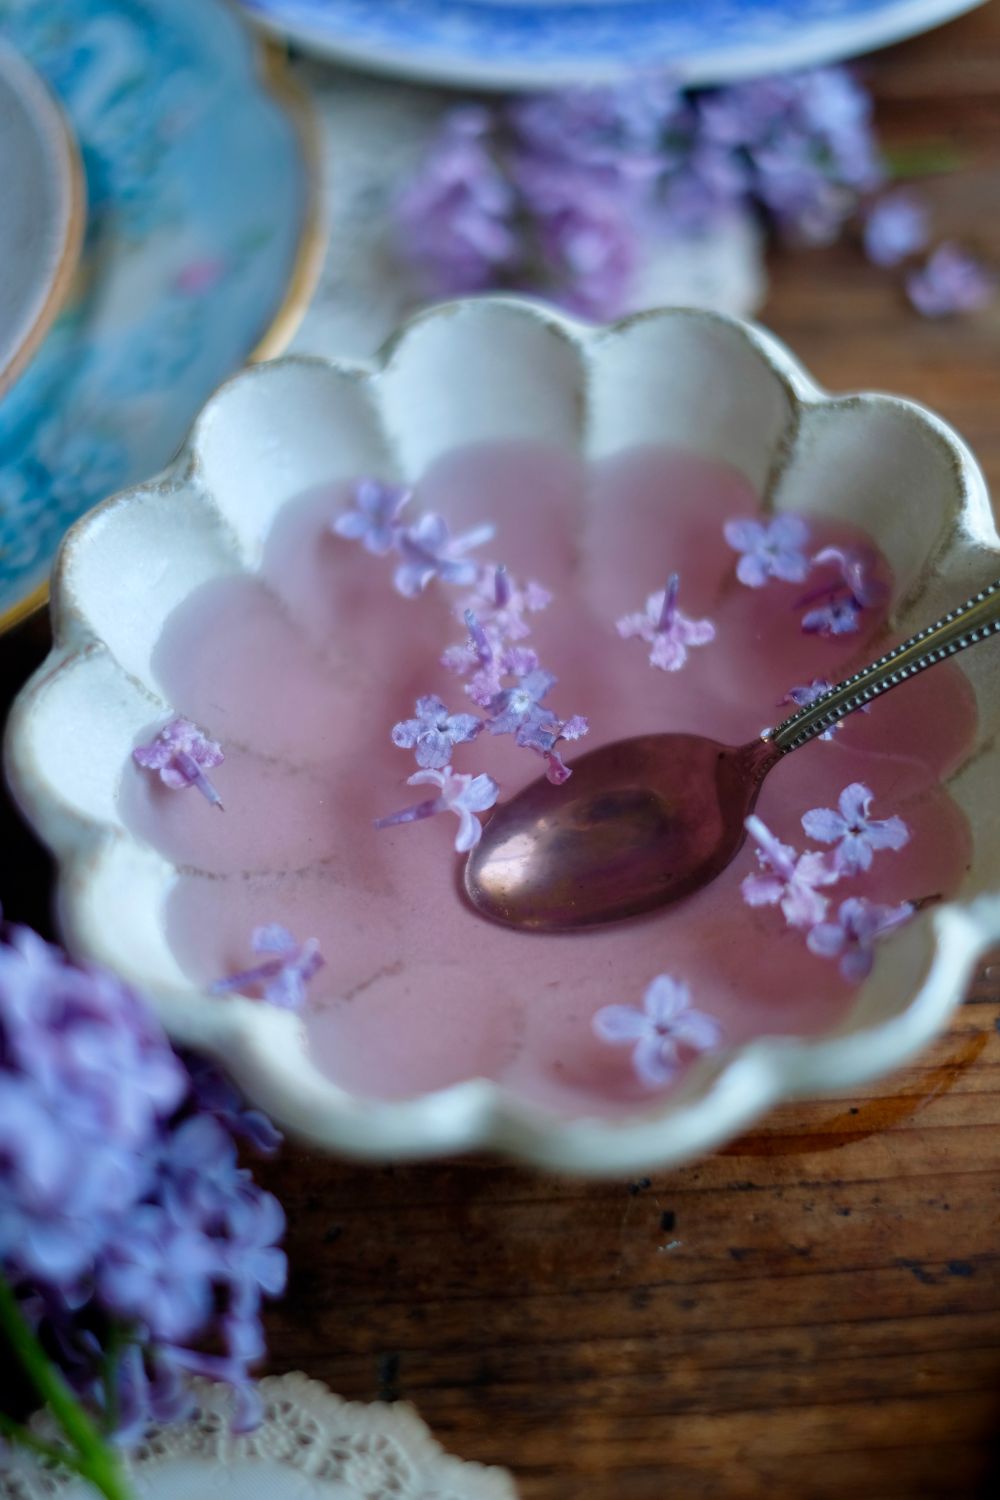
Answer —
310 1446
374 134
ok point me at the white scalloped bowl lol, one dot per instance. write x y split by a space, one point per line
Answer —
497 369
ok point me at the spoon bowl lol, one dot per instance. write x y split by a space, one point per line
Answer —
641 823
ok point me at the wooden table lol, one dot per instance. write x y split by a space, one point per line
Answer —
813 1313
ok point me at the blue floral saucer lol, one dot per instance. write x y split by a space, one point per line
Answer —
198 254
540 43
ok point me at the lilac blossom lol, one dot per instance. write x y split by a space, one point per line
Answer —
587 245
951 281
434 733
895 227
284 975
459 794
127 1231
667 631
843 600
616 135
182 754
430 551
769 549
809 693
855 833
666 1024
375 520
215 1094
456 215
787 878
852 937
483 649
519 711
500 604
565 193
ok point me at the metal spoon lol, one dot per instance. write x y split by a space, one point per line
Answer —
646 821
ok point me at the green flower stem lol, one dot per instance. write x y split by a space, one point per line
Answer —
90 1456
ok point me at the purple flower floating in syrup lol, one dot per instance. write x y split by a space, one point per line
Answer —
658 1032
787 879
668 632
769 549
284 975
429 551
846 597
852 937
896 227
856 835
500 604
434 733
519 710
375 520
951 282
459 794
808 693
182 754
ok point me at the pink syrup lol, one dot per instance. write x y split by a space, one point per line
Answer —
302 671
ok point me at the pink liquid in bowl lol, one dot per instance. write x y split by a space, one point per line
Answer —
301 672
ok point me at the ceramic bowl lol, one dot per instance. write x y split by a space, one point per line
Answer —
492 369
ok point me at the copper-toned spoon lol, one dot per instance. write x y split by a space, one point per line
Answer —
646 821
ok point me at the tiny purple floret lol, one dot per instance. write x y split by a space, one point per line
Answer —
430 551
181 754
667 631
845 598
460 794
769 549
856 835
434 733
375 520
787 879
951 281
851 938
895 228
657 1033
285 975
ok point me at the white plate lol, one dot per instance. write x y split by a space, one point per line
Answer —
540 43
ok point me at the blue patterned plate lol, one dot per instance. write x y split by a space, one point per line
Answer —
538 43
198 252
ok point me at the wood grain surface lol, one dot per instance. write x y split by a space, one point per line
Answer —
814 1312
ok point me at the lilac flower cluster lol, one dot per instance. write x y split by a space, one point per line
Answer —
559 193
795 882
505 677
128 1232
666 1024
777 549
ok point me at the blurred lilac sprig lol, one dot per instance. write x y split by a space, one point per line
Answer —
560 193
130 1238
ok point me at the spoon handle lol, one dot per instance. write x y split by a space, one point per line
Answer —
972 621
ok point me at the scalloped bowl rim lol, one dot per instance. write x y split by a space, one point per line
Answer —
260 1046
